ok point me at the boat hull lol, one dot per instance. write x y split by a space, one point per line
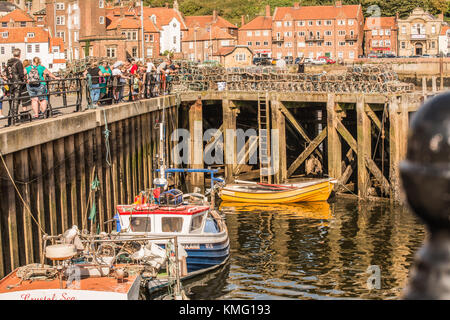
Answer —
317 192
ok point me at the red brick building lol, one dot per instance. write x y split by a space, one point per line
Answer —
257 34
206 36
380 35
312 31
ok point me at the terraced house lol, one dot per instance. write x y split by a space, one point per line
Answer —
334 31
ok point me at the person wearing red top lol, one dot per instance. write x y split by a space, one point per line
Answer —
134 67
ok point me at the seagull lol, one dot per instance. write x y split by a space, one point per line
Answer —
138 255
70 235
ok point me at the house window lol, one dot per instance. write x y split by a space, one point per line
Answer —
266 43
175 40
351 22
301 34
4 24
37 48
191 45
249 43
75 36
101 4
381 32
62 35
374 43
29 48
101 20
2 50
387 32
374 32
240 57
249 33
351 55
328 43
266 33
278 24
310 23
111 52
301 23
328 33
403 29
341 22
328 23
403 44
5 34
227 43
381 43
341 32
60 20
433 29
387 43
134 52
342 43
23 24
319 22
149 52
30 35
257 33
60 6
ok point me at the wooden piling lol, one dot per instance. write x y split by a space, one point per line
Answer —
196 144
229 113
334 142
279 124
83 187
364 146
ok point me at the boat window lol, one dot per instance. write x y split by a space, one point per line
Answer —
211 225
140 224
197 222
171 224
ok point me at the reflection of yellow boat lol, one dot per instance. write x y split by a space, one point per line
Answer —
318 190
308 210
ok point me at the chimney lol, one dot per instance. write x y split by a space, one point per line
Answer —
296 5
441 16
268 11
167 5
176 6
122 12
214 15
396 16
242 20
338 4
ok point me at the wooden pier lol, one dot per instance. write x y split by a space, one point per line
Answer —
358 140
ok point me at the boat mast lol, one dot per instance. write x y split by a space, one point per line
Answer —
162 181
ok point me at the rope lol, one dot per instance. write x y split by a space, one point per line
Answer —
107 145
20 196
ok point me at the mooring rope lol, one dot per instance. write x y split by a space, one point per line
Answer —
107 134
20 195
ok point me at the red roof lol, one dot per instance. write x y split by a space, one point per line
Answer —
57 42
17 16
59 60
224 51
316 12
203 34
163 15
259 23
132 23
18 35
204 21
380 22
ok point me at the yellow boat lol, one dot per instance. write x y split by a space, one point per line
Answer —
252 192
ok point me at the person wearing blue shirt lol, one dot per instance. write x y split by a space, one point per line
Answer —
38 89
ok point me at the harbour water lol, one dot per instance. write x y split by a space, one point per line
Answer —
343 250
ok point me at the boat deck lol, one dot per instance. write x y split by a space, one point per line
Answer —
43 289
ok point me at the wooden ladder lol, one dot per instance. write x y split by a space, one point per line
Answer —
264 139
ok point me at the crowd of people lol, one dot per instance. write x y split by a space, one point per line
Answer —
24 83
107 82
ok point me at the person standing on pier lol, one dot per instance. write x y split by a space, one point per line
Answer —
95 74
162 71
37 86
15 77
106 70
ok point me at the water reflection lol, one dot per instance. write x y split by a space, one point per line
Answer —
314 251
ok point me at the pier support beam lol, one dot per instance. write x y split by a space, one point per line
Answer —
279 123
364 146
334 142
196 145
229 111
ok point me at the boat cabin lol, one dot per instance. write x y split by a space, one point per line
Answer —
156 219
